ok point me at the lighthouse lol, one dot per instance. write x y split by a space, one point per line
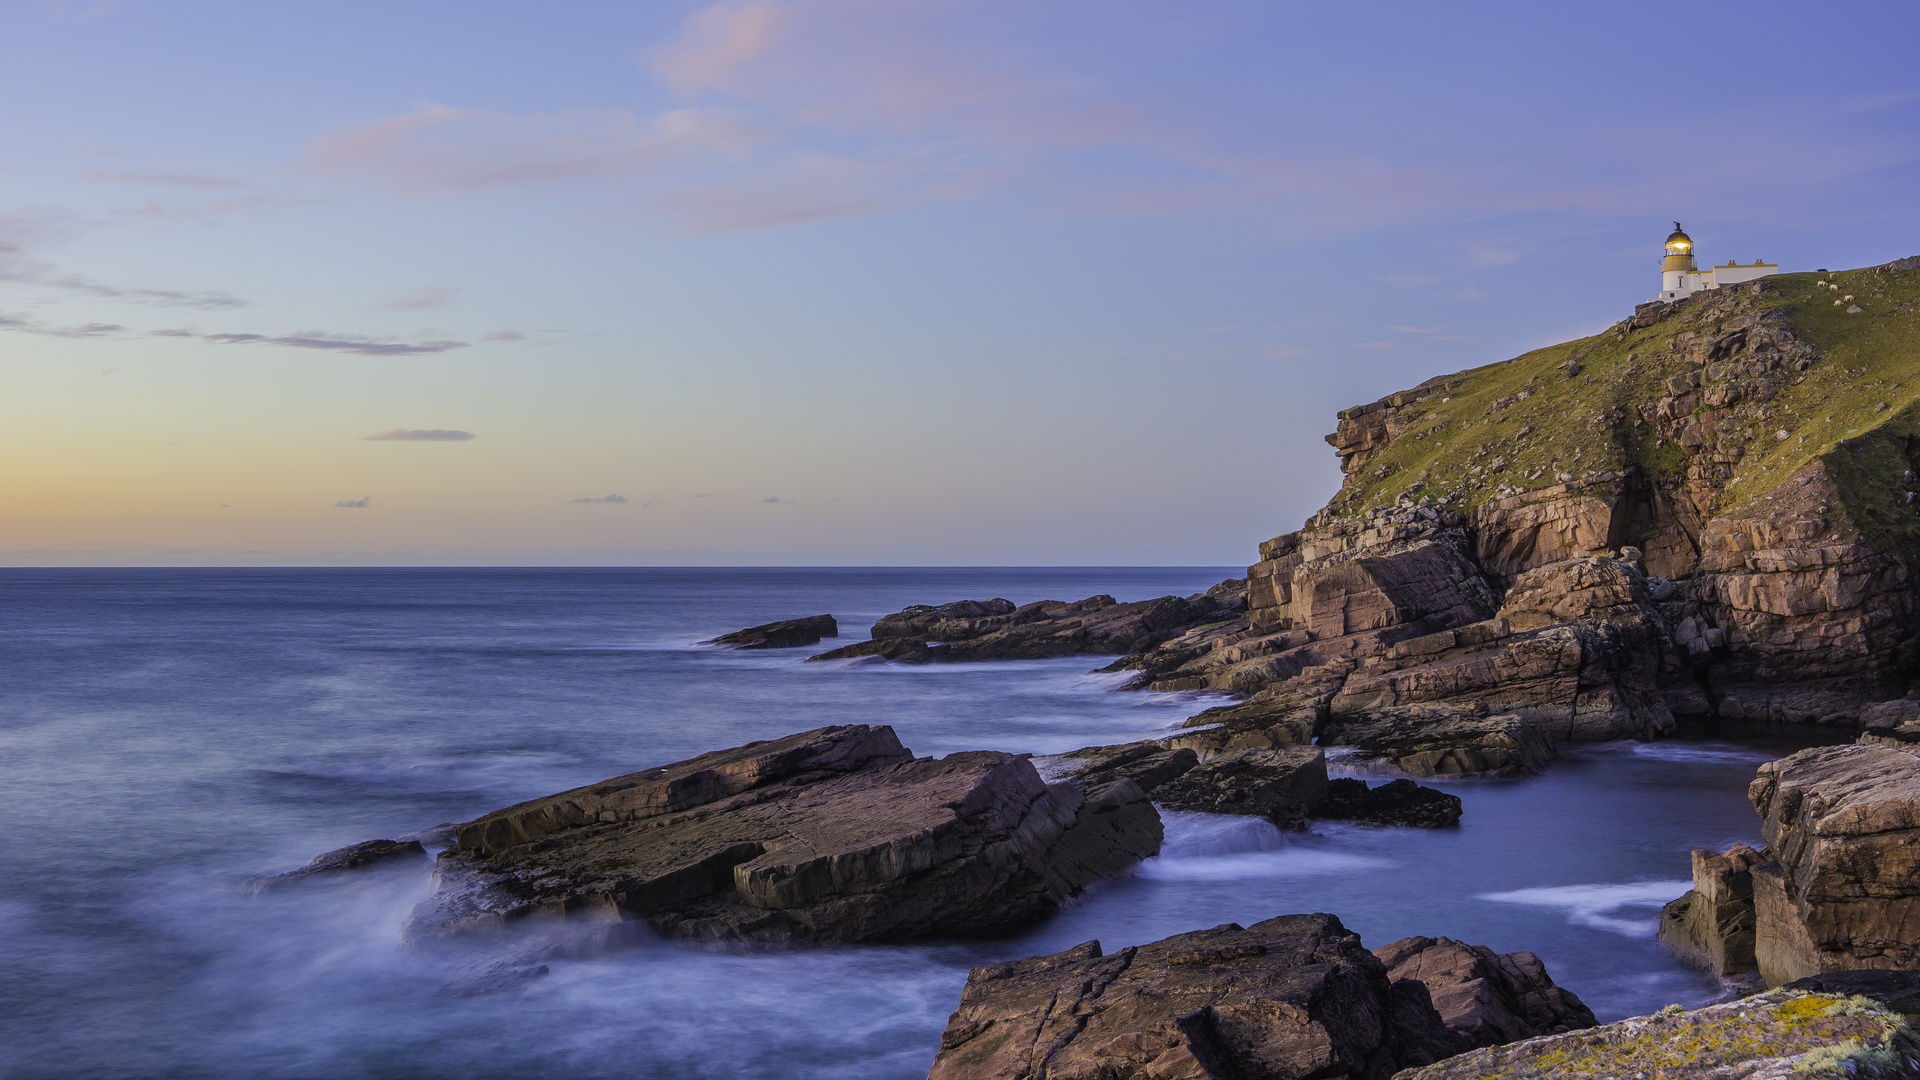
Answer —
1681 277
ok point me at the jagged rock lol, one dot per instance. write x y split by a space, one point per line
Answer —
1440 741
997 630
367 855
1711 925
1146 764
781 635
1397 802
1779 1035
1844 824
1283 786
837 834
1296 996
1489 998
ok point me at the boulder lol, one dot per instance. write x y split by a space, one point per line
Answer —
1843 823
1711 926
1487 997
1778 1035
837 834
1397 802
367 855
1283 786
1440 741
1296 996
787 634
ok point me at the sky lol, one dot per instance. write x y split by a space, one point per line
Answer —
842 282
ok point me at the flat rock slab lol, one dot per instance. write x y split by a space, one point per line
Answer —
787 634
998 630
1779 1035
837 834
1296 996
367 855
1283 786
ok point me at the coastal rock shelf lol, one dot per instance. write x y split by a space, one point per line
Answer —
1295 996
1587 541
1285 786
838 834
786 634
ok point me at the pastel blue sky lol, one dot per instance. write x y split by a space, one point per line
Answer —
840 281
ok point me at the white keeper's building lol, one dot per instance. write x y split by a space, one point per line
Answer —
1679 277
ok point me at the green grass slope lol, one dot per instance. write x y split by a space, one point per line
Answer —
1527 423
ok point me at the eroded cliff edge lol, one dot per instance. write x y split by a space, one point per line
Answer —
1709 509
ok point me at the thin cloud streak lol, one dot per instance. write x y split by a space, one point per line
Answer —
420 435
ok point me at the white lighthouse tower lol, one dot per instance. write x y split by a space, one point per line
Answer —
1680 277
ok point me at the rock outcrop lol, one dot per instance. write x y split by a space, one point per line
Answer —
1296 996
787 634
367 855
1440 741
837 834
1396 802
1711 926
1286 786
998 630
1843 826
1488 998
1779 1035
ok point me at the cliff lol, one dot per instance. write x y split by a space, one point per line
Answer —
1708 509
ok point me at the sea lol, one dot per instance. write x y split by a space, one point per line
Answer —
166 734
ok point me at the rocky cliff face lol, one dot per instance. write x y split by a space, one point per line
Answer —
1710 509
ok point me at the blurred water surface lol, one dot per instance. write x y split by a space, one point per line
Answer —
164 734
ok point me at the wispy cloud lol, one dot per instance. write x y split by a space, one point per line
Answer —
602 499
329 342
426 296
712 495
777 499
355 504
505 334
419 435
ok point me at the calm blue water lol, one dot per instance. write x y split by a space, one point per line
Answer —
165 734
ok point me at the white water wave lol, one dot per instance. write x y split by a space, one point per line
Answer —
1600 906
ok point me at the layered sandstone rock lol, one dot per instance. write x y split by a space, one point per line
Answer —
1283 786
1843 824
1439 741
1488 998
1779 1035
786 634
1396 802
1712 925
837 834
1296 996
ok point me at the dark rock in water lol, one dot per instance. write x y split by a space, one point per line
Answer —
837 834
1296 996
1486 997
1398 802
1283 786
1778 1035
1441 740
371 854
787 634
998 630
1147 764
1897 990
